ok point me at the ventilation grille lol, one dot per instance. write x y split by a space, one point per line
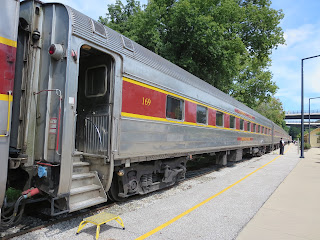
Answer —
98 28
127 43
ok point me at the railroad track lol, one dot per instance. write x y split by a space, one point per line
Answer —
38 219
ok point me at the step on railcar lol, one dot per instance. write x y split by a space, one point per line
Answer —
97 116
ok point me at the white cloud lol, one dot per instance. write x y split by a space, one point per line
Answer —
298 35
312 77
91 8
302 42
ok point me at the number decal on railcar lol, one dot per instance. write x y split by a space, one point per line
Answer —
244 139
146 101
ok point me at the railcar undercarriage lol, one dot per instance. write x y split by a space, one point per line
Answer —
142 178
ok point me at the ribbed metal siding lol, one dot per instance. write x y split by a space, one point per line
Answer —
82 27
92 141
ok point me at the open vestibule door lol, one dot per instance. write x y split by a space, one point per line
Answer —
93 108
92 170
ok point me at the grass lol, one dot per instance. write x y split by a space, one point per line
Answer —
13 194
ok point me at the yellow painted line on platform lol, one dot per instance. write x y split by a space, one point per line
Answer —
148 234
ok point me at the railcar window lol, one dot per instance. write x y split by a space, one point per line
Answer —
202 114
241 124
262 131
96 81
248 126
254 128
219 119
232 122
259 127
174 108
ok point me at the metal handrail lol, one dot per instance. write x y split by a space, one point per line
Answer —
97 130
9 116
299 112
298 121
59 94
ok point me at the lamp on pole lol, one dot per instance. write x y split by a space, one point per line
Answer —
302 110
309 116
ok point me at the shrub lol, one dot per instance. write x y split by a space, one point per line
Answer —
12 194
307 146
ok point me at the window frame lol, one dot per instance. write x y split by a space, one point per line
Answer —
105 81
222 115
206 122
248 126
241 120
254 127
234 122
183 108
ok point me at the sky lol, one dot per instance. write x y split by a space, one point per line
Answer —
302 33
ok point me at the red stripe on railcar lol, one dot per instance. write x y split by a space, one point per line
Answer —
226 121
212 117
190 112
143 101
238 123
7 63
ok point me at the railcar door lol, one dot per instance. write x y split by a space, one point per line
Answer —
93 101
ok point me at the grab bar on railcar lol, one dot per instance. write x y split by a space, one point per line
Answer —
9 115
59 94
97 130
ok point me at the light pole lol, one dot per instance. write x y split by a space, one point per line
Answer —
309 117
302 110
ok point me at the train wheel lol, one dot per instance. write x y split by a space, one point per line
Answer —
113 193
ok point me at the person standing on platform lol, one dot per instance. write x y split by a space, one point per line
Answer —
281 146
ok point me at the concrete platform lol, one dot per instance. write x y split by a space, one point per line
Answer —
278 193
293 210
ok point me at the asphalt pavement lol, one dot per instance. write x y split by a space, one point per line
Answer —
218 205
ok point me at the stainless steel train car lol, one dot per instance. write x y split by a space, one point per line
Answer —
97 116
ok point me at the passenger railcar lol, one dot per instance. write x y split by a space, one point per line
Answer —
97 115
9 13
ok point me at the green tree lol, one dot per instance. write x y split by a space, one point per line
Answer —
284 126
294 132
120 17
272 110
224 42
